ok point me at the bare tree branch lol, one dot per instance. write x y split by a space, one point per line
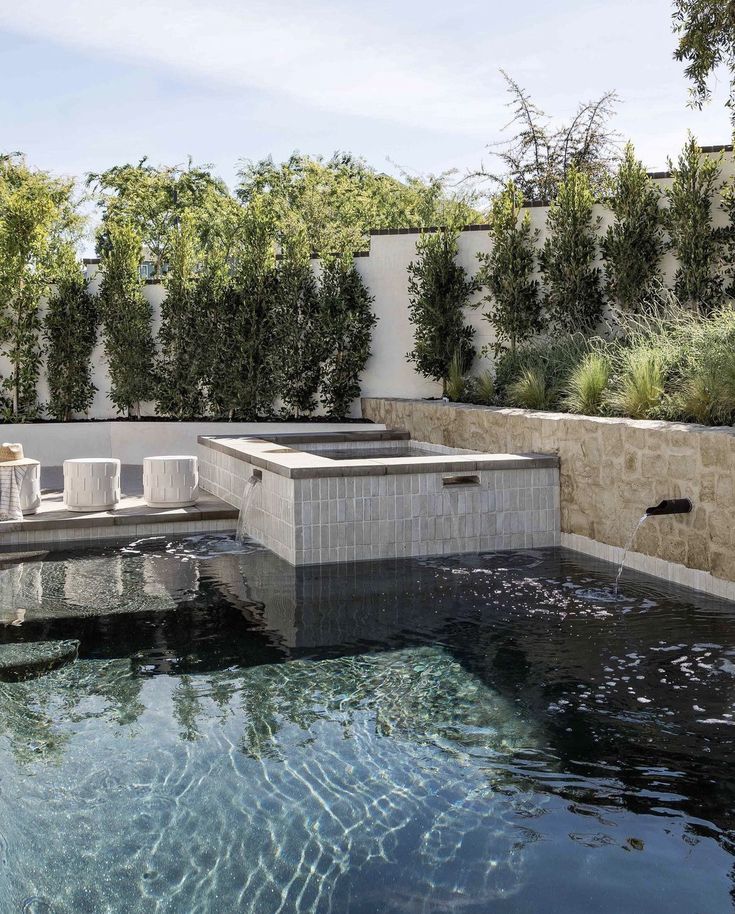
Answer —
538 156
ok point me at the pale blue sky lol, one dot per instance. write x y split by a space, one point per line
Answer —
90 83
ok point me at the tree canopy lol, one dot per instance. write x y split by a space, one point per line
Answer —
338 200
151 200
706 30
38 228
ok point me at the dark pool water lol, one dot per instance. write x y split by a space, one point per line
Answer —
491 733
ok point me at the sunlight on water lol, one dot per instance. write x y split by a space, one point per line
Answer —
362 752
473 733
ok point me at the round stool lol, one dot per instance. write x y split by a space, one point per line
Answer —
91 483
30 490
170 482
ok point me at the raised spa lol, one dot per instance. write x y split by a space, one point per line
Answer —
349 496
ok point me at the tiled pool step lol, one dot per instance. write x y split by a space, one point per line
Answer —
55 527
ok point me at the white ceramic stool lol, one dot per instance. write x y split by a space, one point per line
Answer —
91 483
170 482
30 490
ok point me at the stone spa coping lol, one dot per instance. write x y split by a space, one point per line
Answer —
280 454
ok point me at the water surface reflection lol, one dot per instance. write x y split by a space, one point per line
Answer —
473 733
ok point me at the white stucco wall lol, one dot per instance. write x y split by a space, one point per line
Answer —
384 271
54 442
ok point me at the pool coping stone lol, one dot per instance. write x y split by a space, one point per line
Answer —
273 454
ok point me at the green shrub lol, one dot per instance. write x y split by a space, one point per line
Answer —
514 306
348 323
179 389
703 373
639 388
633 245
482 389
126 320
667 363
456 383
530 390
587 385
555 358
697 397
37 226
297 315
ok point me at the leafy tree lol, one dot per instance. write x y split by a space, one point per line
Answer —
633 245
126 319
726 236
340 199
297 315
439 289
37 225
514 309
153 199
347 324
237 297
179 390
538 158
706 30
70 328
572 281
694 239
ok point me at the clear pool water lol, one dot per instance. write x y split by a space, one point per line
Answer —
491 733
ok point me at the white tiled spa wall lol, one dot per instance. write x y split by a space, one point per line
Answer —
346 518
341 519
270 518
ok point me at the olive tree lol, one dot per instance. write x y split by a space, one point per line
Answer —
126 319
633 245
38 222
347 323
694 239
706 31
572 281
507 271
70 328
439 290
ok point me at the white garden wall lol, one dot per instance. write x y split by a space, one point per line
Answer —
384 270
54 442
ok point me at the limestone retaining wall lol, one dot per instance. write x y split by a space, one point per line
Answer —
610 471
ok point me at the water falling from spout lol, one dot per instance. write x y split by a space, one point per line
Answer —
247 497
627 549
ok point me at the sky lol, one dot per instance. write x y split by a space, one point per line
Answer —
414 85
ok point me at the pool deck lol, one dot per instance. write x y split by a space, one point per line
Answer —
54 524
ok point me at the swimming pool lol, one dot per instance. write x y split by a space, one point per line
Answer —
474 733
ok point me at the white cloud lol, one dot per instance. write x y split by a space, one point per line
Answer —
415 79
323 56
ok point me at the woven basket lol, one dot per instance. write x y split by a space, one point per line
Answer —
10 453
